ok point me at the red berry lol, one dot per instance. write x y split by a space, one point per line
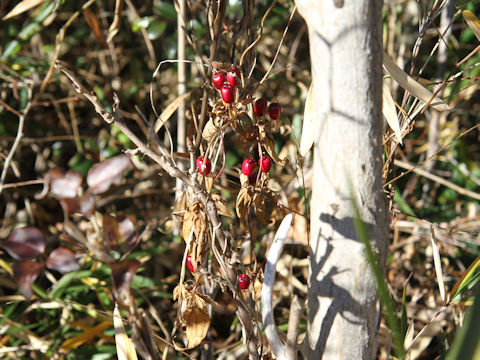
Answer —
243 281
265 163
260 106
227 93
218 79
274 111
189 263
204 166
248 166
233 76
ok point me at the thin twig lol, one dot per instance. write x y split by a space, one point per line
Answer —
21 123
437 179
279 46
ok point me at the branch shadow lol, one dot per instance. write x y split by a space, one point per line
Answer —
343 304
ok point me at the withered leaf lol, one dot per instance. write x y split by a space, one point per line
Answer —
221 205
209 182
211 129
244 200
21 7
119 232
64 185
25 273
197 322
123 273
25 243
62 260
269 145
244 127
102 175
169 110
188 220
84 204
264 203
94 24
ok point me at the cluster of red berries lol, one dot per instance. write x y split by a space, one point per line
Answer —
260 106
249 165
226 84
243 279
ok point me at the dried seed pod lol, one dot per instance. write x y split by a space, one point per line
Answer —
211 128
244 127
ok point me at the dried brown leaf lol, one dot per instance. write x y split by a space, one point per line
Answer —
264 203
211 129
101 176
197 322
169 110
21 7
412 86
269 145
119 232
244 127
25 274
84 204
25 243
244 201
123 273
221 205
64 185
94 24
62 260
188 220
472 22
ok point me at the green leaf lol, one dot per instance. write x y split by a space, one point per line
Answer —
388 304
62 286
402 203
468 280
466 344
156 29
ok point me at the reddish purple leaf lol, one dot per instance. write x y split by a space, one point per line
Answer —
62 260
122 275
101 176
25 243
84 205
25 273
64 185
120 234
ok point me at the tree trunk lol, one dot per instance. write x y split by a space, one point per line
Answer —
346 55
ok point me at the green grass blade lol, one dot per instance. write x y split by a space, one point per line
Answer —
388 304
466 344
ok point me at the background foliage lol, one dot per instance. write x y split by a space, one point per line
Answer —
434 224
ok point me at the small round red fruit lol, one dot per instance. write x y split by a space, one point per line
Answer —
204 165
260 106
274 111
243 281
218 79
265 163
233 76
248 166
189 263
228 93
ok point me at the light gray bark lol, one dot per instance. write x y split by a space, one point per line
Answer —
346 55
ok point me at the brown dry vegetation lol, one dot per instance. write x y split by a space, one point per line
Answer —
110 49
